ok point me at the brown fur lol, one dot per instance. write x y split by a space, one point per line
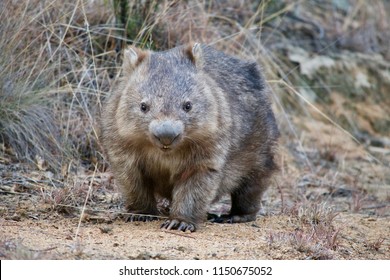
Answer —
190 124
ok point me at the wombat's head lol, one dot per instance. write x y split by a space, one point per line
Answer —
164 98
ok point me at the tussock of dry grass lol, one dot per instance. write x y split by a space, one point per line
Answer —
52 77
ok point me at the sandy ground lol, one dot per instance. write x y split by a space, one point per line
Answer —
119 240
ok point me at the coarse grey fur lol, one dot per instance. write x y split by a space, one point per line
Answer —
190 124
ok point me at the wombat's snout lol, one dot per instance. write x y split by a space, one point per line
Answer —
166 132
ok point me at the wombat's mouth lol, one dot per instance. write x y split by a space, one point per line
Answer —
166 149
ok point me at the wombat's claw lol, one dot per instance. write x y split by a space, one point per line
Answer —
179 225
139 218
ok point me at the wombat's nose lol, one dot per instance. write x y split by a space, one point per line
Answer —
166 138
166 132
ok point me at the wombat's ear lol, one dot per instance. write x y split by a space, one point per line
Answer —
194 53
132 58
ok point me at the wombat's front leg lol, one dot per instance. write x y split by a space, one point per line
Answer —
139 198
191 199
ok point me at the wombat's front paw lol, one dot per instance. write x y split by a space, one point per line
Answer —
139 218
179 225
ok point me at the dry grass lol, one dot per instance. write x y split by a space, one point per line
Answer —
313 234
51 78
15 250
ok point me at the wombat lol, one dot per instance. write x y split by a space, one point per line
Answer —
189 125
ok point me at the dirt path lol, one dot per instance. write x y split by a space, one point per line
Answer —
271 237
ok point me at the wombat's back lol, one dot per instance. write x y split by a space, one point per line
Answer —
244 86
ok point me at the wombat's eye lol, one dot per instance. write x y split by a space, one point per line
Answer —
144 107
187 106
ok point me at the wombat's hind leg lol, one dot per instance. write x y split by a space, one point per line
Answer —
245 202
231 218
